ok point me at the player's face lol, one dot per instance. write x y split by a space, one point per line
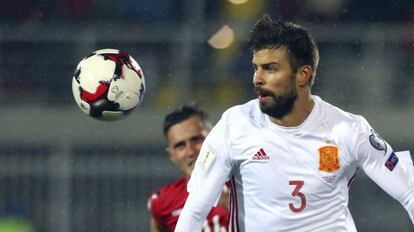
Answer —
184 143
274 82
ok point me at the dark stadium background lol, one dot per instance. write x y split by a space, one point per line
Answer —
62 171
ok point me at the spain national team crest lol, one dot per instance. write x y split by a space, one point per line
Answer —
328 158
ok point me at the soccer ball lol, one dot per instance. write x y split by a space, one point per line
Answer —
108 85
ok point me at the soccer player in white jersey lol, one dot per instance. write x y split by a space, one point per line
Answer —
289 155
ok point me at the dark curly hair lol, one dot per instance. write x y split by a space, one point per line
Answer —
301 47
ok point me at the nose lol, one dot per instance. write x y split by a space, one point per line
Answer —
191 149
258 77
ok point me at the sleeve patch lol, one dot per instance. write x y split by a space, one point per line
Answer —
392 161
206 158
377 142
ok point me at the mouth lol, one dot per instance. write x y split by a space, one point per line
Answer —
262 95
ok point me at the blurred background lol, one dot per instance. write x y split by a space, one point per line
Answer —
62 171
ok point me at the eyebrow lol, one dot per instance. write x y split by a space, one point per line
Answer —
268 64
182 142
271 63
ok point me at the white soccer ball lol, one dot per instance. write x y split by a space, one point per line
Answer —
108 84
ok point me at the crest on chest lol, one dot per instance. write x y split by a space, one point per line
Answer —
329 158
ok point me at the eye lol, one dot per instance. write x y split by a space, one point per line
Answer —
197 139
179 146
254 67
266 67
269 68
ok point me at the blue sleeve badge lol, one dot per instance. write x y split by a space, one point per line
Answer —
377 142
392 161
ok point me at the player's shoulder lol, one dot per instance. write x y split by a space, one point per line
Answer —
249 111
335 115
166 200
173 189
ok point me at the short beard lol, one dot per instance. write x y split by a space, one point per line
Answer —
281 106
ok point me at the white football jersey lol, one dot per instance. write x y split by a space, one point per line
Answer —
291 178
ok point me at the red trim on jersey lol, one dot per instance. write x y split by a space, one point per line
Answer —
234 210
166 204
352 179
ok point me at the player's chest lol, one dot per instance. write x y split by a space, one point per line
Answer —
319 159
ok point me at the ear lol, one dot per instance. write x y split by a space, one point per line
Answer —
304 75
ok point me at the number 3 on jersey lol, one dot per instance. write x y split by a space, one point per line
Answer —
297 193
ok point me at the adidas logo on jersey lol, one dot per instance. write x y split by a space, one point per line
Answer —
260 155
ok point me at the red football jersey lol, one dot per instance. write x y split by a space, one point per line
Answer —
166 204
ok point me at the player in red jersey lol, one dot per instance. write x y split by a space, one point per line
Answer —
185 130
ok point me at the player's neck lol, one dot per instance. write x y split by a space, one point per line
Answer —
301 109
